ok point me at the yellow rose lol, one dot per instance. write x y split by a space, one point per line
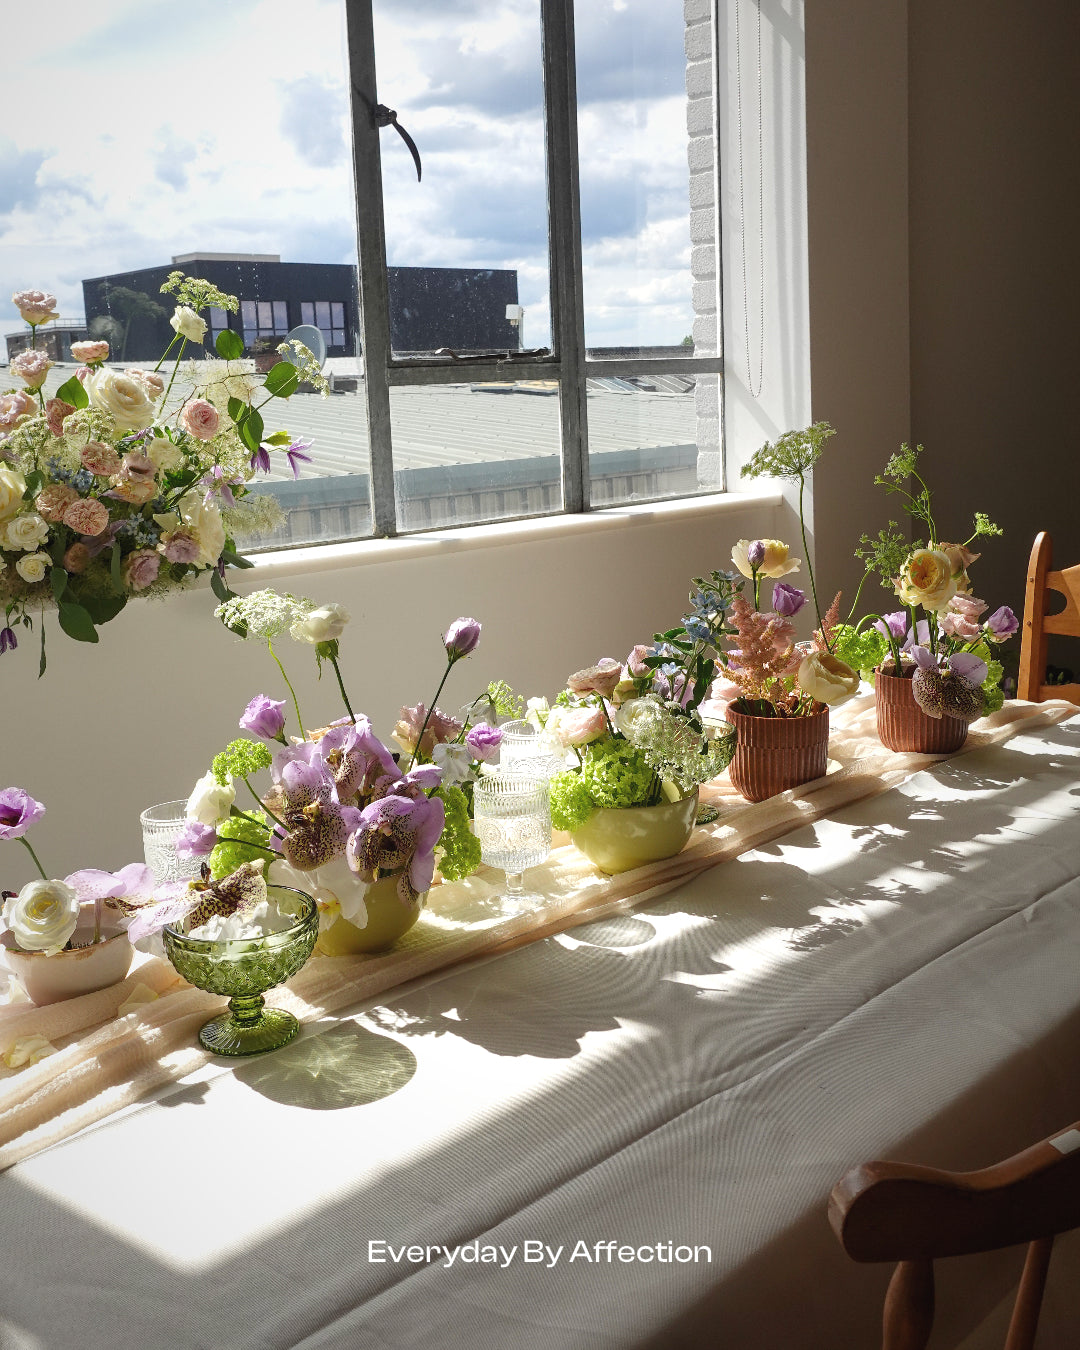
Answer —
12 487
826 678
775 563
926 579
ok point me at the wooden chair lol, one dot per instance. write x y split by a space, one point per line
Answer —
886 1211
1037 623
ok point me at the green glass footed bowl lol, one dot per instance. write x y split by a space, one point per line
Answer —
243 969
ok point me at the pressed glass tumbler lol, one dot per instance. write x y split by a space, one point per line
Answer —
161 826
527 749
244 969
512 819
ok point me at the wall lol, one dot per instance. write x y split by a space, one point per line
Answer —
136 720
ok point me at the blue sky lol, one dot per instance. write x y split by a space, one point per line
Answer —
142 130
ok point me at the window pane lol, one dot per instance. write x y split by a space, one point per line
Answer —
337 313
322 314
472 237
276 207
636 184
466 453
307 313
653 436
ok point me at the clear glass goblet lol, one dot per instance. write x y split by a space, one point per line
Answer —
161 826
527 749
512 819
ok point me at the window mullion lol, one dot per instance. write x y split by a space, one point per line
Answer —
564 245
371 242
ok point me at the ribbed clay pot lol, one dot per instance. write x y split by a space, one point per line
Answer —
777 753
902 724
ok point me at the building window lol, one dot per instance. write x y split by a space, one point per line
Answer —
328 316
263 319
590 172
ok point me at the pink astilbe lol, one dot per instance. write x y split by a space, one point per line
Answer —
825 635
757 663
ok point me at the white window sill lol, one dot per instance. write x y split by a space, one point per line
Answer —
435 543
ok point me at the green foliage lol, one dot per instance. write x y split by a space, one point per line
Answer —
571 804
229 345
459 847
884 554
240 759
72 393
792 456
899 470
282 380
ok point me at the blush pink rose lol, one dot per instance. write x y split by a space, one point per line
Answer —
200 419
86 516
35 307
599 679
100 459
151 380
92 353
141 568
579 726
55 412
31 367
13 408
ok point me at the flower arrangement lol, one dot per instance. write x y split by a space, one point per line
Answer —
105 493
769 673
45 914
634 726
948 652
341 809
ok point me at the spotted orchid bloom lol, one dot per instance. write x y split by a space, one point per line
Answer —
357 760
398 834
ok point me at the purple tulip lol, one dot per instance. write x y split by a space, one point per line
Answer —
787 600
265 717
895 623
461 638
755 553
18 811
1002 624
484 741
196 840
8 640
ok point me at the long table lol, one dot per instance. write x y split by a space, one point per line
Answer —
619 1136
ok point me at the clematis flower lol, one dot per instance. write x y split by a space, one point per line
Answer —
295 455
260 460
8 640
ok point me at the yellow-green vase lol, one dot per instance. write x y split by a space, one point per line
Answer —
617 839
387 920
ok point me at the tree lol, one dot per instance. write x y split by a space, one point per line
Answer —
126 304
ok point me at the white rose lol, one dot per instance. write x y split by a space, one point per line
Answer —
26 532
33 566
188 324
536 712
633 712
123 397
827 679
210 803
320 625
42 916
162 453
204 520
12 487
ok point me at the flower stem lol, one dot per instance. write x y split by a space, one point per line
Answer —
262 804
427 716
858 592
37 861
176 367
292 691
164 354
341 686
810 565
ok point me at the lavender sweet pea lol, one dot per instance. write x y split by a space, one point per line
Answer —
18 811
787 600
1002 624
461 638
895 624
265 717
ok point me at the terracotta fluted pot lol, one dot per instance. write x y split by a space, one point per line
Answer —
902 724
777 753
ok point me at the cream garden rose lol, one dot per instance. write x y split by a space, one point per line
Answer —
33 566
320 625
188 324
210 802
123 397
12 487
43 916
826 678
775 564
26 533
926 579
162 453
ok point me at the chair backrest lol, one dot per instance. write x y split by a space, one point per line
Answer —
1037 623
884 1211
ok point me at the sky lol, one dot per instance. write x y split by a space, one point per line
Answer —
139 129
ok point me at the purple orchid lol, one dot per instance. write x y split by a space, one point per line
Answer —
356 758
295 454
265 717
484 741
787 600
1002 624
969 667
398 834
18 811
8 640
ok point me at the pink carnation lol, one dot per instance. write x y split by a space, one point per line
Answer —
100 459
141 568
200 419
86 516
31 367
55 412
53 500
90 352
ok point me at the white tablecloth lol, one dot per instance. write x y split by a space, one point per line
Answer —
903 980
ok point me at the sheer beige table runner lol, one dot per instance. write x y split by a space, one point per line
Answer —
107 1061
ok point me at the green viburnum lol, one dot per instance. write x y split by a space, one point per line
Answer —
861 651
240 840
616 773
459 847
571 804
240 759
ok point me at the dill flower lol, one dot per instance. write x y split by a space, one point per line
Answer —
263 614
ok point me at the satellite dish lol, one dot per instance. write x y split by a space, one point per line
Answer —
312 339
